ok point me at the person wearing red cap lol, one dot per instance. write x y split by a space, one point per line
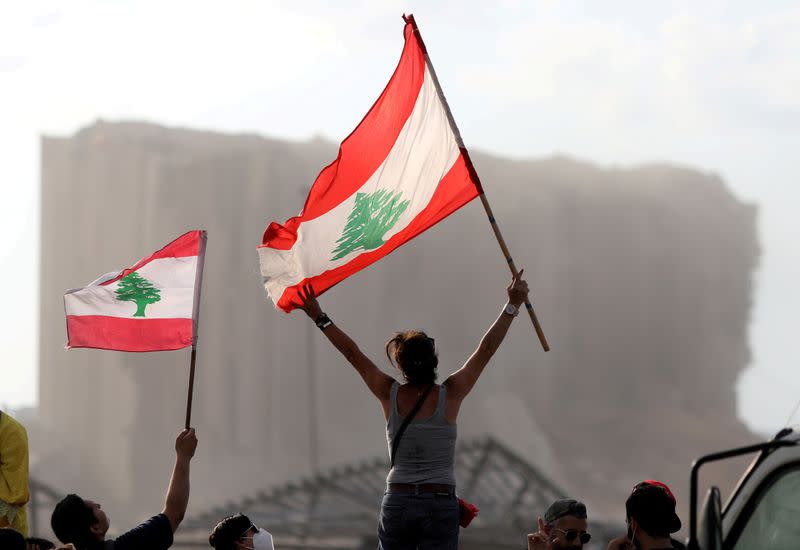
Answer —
651 518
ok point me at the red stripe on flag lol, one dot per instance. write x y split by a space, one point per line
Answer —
185 246
121 334
454 191
365 149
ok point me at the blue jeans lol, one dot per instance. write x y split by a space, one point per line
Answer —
418 522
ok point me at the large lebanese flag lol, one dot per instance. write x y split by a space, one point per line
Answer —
401 171
151 306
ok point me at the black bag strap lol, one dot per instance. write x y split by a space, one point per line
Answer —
399 435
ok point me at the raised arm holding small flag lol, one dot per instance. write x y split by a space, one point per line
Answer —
152 306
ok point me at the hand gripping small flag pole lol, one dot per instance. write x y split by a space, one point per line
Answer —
474 174
198 285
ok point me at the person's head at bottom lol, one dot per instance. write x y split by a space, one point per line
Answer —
564 525
237 532
35 543
11 539
650 511
80 522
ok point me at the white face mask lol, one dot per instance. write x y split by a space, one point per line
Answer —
261 541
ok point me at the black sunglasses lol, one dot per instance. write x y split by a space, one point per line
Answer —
572 534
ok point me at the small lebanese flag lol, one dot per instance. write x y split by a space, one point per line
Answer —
401 171
151 306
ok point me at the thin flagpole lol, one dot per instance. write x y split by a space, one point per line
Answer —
474 174
191 388
198 285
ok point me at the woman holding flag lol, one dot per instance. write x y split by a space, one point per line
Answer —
420 509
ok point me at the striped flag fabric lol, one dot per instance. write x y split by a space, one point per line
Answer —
401 171
151 306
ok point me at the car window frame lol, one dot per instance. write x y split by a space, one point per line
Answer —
758 494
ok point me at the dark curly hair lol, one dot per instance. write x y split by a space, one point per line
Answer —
414 353
228 531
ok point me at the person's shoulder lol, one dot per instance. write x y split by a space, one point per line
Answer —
10 424
160 520
154 533
158 524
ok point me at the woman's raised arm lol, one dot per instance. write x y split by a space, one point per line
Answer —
378 382
461 382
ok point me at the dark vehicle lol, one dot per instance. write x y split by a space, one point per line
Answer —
763 512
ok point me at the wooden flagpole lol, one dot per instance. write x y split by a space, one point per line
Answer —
474 174
198 285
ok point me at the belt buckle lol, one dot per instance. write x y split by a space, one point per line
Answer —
416 489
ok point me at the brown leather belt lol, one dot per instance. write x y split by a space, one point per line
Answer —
411 488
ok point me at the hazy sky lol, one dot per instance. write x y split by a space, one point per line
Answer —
714 85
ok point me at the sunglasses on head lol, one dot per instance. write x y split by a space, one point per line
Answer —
572 534
244 534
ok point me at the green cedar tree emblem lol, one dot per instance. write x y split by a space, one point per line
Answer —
135 288
372 216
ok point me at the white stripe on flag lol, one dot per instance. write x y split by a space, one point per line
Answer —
174 277
423 153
